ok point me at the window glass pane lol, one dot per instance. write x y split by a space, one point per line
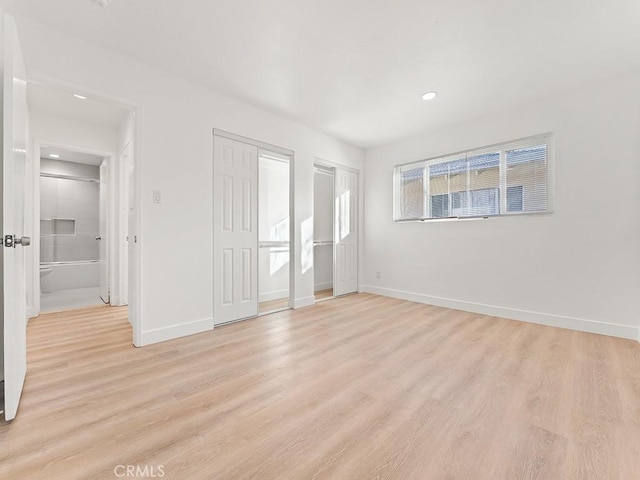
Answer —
484 162
412 193
485 202
440 206
514 198
458 201
448 179
527 168
484 184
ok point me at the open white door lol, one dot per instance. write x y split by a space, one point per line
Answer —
235 230
346 232
124 226
132 243
14 138
103 235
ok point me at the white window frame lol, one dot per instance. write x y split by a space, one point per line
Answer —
502 147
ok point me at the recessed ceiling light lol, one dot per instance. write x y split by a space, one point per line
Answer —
429 95
54 155
81 97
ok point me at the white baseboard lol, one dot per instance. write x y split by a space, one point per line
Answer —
175 331
304 302
275 295
322 286
32 312
571 323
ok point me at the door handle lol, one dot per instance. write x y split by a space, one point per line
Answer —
13 241
98 237
24 241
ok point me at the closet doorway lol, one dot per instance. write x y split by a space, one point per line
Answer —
273 232
335 245
323 221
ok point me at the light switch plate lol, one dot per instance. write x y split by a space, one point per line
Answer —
157 196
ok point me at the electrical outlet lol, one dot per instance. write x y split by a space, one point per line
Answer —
378 275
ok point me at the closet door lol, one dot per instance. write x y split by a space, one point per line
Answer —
235 230
346 232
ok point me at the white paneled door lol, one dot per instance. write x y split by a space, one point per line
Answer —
346 232
13 220
235 230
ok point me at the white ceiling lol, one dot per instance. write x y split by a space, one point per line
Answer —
70 156
356 68
60 103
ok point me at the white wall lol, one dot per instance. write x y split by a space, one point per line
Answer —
48 127
576 268
174 150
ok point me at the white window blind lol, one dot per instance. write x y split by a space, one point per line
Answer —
505 179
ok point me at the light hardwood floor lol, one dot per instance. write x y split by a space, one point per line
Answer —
283 303
273 305
324 294
361 387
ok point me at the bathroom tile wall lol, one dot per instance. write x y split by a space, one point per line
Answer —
69 199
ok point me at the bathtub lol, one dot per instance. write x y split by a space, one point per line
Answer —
56 276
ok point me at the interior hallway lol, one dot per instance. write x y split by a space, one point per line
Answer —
359 387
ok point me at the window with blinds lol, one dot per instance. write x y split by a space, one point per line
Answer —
505 179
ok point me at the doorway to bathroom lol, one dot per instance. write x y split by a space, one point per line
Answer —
73 222
83 192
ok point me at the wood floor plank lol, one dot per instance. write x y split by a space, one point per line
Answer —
358 387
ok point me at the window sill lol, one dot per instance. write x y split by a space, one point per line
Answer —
479 217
